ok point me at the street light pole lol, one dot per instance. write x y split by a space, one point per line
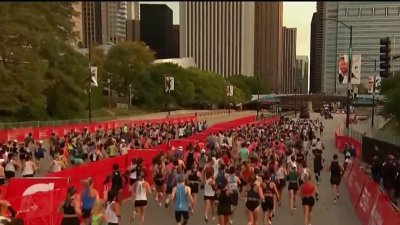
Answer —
373 98
350 70
90 88
349 78
130 95
109 92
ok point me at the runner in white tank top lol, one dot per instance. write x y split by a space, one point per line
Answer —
29 167
111 216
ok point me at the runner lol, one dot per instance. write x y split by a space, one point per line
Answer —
11 166
269 191
28 167
70 208
193 179
116 181
281 174
233 185
293 187
112 212
254 195
209 195
159 181
318 164
98 217
182 200
308 190
224 209
89 196
171 183
336 176
139 193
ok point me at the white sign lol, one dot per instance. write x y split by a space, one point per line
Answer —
169 84
343 68
93 76
371 84
229 90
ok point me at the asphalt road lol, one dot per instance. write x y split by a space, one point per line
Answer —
325 212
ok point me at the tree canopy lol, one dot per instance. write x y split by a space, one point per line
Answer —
391 89
43 77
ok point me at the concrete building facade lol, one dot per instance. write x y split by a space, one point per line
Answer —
114 16
133 22
316 49
156 27
302 74
268 44
289 80
371 21
232 38
91 23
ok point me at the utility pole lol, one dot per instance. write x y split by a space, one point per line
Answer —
90 88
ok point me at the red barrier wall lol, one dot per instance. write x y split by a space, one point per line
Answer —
372 206
99 171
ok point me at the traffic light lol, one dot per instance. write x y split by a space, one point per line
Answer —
385 57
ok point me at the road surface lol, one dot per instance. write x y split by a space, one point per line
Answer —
324 213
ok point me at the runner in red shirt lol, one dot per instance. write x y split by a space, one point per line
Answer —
307 190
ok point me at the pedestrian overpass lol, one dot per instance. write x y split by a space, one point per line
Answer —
312 101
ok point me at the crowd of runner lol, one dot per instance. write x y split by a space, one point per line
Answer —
76 148
253 164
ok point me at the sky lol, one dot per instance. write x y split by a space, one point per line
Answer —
295 15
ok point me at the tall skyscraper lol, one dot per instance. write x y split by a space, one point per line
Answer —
91 23
371 21
133 22
316 49
78 24
101 22
156 27
302 74
232 38
268 44
175 42
290 79
114 16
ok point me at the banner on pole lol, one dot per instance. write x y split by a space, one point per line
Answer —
229 90
93 76
169 84
343 68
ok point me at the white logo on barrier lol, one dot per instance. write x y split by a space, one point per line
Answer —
27 205
376 219
364 200
38 188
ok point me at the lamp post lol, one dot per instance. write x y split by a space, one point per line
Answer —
295 102
258 97
130 95
349 71
373 99
90 88
109 92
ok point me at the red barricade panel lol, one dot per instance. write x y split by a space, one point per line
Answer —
383 213
24 186
355 183
369 196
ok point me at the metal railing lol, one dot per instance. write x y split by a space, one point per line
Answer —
27 124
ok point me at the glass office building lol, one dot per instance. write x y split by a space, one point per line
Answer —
371 21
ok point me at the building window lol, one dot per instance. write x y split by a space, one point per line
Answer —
380 11
346 12
367 12
373 11
386 11
393 11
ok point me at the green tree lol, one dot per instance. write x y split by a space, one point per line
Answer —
126 61
391 89
40 74
249 85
